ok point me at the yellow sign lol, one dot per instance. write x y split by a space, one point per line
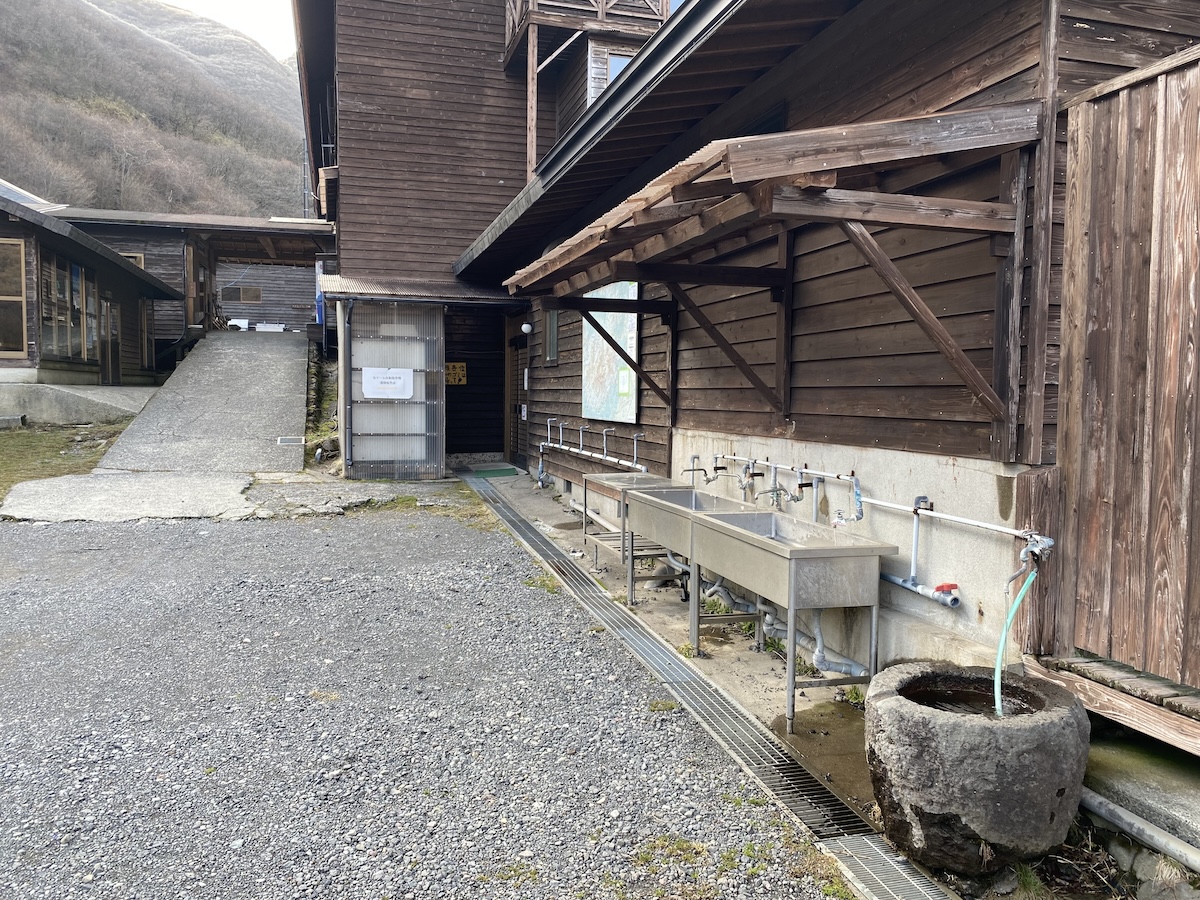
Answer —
456 373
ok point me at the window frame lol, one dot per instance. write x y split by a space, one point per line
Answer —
550 331
22 299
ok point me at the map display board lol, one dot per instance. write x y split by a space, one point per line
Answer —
609 386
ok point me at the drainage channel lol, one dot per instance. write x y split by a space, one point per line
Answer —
876 869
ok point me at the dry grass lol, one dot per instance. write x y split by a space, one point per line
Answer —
48 451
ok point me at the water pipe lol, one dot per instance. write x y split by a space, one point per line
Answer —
640 434
582 429
1031 560
694 468
1140 830
801 471
946 593
604 438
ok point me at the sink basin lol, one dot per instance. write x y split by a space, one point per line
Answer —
665 515
789 560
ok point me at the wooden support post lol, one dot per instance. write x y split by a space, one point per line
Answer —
626 358
727 348
1043 241
895 281
783 323
1010 289
1039 507
531 100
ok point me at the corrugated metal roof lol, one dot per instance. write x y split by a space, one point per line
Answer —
352 287
10 191
281 226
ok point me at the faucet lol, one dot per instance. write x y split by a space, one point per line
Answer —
746 479
605 433
561 426
640 434
582 429
694 469
550 422
717 471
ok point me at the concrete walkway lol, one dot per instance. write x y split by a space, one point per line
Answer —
196 446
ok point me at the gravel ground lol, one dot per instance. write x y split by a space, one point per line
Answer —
381 705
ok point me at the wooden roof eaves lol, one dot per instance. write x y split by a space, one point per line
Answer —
788 155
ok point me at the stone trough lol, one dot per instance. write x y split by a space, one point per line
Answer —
961 789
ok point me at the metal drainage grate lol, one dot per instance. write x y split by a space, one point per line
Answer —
289 441
878 871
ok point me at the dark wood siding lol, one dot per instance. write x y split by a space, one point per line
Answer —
572 89
288 294
475 410
431 140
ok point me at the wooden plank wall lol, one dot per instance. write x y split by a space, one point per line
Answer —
422 92
1131 550
571 89
288 293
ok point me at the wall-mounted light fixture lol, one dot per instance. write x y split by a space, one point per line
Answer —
526 328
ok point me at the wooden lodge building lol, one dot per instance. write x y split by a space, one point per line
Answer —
949 248
72 309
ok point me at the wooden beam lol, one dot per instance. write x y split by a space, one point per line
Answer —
609 304
1140 715
628 360
868 143
895 281
738 276
1010 291
670 212
269 246
724 187
727 348
1041 249
783 322
889 209
531 101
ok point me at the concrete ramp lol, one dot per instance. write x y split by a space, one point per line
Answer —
72 404
224 409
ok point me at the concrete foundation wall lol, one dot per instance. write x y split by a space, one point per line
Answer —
45 404
979 561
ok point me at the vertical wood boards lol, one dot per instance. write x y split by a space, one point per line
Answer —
475 411
431 132
1130 369
1010 291
1039 507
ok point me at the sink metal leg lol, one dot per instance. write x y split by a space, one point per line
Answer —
873 663
694 605
791 666
629 575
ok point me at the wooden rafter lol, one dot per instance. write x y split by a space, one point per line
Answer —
888 209
621 352
895 281
725 187
269 246
610 304
727 348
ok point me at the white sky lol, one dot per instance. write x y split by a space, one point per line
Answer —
267 21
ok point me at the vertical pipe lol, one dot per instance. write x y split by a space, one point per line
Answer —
791 665
694 590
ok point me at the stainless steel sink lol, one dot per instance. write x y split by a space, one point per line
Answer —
788 560
665 515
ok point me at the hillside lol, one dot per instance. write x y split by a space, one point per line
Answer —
131 104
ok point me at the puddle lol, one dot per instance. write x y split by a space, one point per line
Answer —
830 738
576 525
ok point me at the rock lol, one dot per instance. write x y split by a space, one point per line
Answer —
967 791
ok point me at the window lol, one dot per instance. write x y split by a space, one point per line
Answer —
138 259
616 65
12 299
550 337
70 310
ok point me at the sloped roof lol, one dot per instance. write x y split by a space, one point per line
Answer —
338 287
86 249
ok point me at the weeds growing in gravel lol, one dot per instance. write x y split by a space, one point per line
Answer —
686 650
663 706
664 850
543 580
518 874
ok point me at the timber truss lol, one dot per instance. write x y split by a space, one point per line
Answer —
742 192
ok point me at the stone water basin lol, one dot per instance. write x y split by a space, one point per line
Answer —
788 560
665 515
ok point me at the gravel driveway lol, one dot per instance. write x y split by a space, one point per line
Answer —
384 705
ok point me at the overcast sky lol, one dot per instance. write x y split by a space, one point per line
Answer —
267 21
